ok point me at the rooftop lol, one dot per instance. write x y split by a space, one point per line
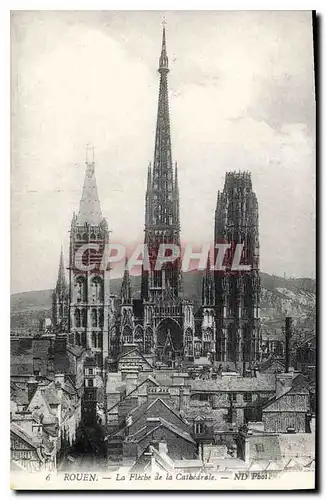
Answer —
226 383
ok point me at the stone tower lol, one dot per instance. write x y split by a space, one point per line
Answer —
60 300
208 323
89 283
127 322
237 293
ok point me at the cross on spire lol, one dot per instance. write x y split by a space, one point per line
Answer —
164 61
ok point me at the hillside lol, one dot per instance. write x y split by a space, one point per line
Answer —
280 297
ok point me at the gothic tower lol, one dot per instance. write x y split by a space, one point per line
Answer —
126 310
208 325
162 223
60 300
168 322
89 283
237 293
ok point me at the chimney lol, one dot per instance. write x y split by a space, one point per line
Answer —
163 447
288 335
59 379
152 423
60 344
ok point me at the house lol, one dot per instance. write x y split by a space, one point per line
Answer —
234 394
288 409
179 441
154 420
49 409
133 358
29 452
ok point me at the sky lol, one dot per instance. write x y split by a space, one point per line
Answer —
241 92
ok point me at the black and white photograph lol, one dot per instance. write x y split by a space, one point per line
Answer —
163 250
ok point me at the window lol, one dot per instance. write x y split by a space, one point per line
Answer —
90 383
247 397
259 447
199 428
232 397
203 397
90 371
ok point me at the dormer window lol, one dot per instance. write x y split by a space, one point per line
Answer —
199 428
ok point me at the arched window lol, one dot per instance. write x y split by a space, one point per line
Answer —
127 335
97 290
139 337
77 318
80 289
84 317
94 339
94 318
148 340
101 317
78 342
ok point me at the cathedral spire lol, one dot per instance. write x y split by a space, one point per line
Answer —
148 203
126 286
208 288
89 207
162 168
163 61
61 281
162 196
176 195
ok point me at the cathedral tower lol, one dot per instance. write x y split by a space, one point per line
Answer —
237 293
168 321
89 289
162 223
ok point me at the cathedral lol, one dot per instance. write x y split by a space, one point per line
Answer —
161 323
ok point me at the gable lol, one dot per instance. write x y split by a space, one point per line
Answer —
157 409
38 400
275 366
134 358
